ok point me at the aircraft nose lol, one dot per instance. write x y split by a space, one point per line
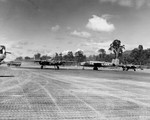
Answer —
2 57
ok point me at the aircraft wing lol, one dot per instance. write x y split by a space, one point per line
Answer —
8 52
54 63
92 64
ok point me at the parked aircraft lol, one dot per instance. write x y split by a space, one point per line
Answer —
95 64
3 53
98 64
49 62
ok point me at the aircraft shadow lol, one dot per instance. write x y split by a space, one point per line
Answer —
36 68
7 76
48 68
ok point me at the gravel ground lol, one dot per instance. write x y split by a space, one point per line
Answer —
29 93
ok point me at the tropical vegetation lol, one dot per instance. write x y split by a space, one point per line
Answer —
137 56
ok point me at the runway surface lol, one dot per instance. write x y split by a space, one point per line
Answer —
35 94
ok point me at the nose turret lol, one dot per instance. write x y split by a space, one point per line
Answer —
2 57
3 52
2 49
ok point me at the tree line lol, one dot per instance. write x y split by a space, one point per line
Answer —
136 56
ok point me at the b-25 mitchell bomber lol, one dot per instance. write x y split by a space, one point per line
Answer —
99 64
94 64
50 62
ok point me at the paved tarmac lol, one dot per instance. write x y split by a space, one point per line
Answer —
48 94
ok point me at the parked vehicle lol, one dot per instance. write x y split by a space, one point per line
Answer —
14 63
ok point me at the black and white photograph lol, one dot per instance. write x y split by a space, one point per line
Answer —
74 59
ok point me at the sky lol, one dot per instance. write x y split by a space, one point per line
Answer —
48 26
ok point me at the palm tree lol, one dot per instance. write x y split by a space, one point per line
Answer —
117 48
140 47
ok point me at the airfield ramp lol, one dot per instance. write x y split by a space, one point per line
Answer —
35 94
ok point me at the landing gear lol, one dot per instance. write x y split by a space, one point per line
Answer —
42 67
57 67
123 68
95 68
126 68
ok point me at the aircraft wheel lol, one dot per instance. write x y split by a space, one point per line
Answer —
95 68
42 67
17 65
57 67
123 68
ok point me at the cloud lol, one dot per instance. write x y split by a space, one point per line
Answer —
16 46
19 45
69 42
107 16
99 24
82 34
41 51
3 0
148 3
34 4
140 3
90 47
68 28
55 28
65 52
98 44
129 3
108 1
78 50
132 46
22 43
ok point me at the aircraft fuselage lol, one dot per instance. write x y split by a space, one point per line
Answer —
49 63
